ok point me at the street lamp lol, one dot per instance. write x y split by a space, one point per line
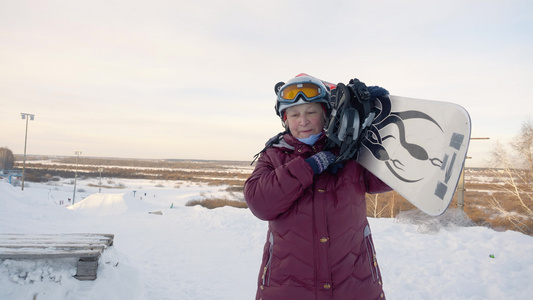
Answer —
27 117
75 176
461 185
100 185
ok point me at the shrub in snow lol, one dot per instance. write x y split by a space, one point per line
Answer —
453 217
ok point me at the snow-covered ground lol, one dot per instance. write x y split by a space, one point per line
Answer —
196 253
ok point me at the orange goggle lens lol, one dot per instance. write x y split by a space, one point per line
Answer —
310 90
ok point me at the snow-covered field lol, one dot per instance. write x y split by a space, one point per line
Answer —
196 253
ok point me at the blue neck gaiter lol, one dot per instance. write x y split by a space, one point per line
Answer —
311 140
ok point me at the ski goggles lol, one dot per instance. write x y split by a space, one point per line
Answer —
310 91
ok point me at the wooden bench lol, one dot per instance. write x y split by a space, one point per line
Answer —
87 247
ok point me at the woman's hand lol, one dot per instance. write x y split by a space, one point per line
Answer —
321 161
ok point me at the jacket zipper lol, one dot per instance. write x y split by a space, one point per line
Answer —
265 278
371 252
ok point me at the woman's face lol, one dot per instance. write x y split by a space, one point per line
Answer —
305 120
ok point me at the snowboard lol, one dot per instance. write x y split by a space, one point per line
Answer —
418 147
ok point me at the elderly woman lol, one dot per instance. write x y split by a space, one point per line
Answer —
319 244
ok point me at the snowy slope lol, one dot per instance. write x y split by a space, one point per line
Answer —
196 253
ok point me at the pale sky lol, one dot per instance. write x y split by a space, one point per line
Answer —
194 79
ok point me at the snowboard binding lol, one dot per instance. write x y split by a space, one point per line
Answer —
352 114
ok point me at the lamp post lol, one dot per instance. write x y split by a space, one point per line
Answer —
461 186
100 185
75 176
27 117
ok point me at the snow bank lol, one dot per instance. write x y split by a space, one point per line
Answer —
101 205
196 253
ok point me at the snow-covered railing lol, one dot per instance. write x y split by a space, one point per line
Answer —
10 175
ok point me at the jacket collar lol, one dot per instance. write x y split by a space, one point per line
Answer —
289 142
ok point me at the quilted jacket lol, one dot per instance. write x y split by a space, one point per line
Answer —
318 244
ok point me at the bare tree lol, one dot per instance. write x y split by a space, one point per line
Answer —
523 146
7 160
516 202
392 205
373 206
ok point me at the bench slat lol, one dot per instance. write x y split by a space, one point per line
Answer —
57 238
6 250
51 254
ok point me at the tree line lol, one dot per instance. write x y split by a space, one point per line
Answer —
7 159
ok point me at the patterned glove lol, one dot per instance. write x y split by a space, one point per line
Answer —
320 161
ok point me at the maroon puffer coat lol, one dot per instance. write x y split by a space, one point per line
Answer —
318 244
